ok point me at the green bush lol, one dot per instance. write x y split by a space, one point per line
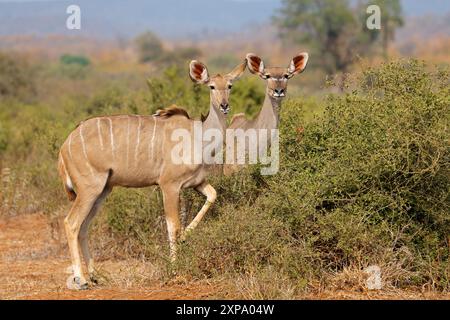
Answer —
4 137
69 59
223 61
366 182
179 57
16 77
149 47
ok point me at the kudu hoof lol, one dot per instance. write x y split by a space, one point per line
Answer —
75 283
93 279
184 235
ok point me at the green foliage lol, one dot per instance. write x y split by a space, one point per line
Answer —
175 87
16 77
247 96
149 46
365 183
136 218
74 59
151 49
179 57
4 137
74 67
391 18
33 141
223 61
334 30
246 240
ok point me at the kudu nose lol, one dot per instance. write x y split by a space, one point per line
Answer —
225 107
279 92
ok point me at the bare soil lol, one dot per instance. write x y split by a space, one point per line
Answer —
33 263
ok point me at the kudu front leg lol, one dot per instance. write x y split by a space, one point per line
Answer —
171 199
207 190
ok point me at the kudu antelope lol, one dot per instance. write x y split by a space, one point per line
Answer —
135 151
276 89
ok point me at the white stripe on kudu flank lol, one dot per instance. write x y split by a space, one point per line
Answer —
68 181
70 145
83 145
162 148
99 133
138 139
112 136
153 136
128 138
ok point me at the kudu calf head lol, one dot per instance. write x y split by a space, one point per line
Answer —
277 78
220 85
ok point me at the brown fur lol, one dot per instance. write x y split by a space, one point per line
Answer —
63 174
204 117
276 79
237 119
171 111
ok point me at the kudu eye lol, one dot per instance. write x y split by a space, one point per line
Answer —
212 87
230 86
285 76
266 76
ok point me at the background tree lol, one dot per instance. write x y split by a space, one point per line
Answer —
149 46
16 76
391 19
334 29
179 56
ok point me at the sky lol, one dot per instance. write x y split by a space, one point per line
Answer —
168 18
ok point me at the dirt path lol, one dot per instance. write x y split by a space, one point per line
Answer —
33 264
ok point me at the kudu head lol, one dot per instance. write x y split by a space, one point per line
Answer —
277 78
220 85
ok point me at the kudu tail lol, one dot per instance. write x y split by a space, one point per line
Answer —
67 182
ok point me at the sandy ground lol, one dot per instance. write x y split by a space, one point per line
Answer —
33 266
33 263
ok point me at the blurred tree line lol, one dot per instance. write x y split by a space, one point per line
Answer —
336 29
151 49
16 76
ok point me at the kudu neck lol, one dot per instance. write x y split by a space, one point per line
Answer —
269 116
215 120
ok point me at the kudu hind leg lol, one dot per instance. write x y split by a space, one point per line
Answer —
207 190
78 213
83 237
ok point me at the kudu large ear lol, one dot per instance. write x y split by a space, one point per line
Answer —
255 64
238 71
298 64
198 72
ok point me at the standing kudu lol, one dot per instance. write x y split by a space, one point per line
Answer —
135 151
277 80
